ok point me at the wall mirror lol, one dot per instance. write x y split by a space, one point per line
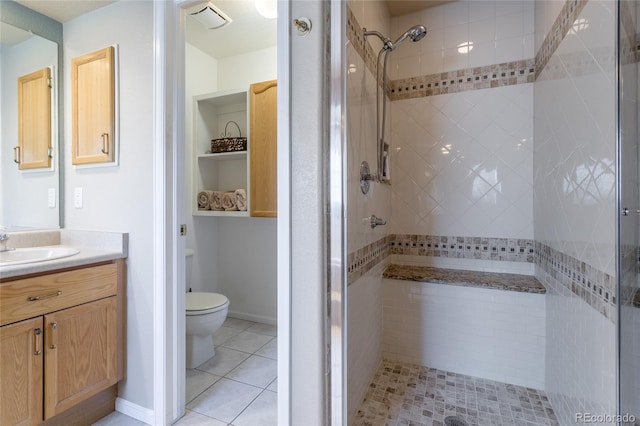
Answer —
30 197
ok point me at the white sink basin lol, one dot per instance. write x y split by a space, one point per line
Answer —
35 254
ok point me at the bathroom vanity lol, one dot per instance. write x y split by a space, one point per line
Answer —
62 338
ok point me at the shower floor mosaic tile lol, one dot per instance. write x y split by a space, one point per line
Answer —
408 394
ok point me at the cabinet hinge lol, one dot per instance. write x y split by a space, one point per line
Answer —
183 230
50 82
50 152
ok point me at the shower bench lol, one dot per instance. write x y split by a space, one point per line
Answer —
490 280
483 324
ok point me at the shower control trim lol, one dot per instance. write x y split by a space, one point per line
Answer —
365 177
376 221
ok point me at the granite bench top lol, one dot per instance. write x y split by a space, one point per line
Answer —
492 280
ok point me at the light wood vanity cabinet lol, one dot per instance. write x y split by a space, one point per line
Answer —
21 363
263 113
62 364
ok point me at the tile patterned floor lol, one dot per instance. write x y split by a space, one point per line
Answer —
407 394
237 387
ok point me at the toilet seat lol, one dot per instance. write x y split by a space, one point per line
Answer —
199 303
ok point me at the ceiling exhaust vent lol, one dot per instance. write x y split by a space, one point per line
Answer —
209 16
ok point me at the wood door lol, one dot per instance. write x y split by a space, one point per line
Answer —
263 148
80 354
34 120
21 373
93 107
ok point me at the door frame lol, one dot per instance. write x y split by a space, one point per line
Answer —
169 178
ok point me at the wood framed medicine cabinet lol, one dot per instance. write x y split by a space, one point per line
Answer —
34 150
93 89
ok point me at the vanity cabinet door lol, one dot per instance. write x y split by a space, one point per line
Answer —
21 373
34 120
263 143
80 354
93 107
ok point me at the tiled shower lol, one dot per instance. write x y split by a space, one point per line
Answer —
503 130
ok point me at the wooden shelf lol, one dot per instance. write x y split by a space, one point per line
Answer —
216 213
237 155
223 171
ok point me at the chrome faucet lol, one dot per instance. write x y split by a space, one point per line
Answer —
3 242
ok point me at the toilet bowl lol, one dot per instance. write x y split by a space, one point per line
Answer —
205 313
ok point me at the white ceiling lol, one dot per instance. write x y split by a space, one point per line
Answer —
249 31
64 10
10 35
402 7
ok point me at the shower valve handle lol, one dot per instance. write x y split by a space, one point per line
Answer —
376 221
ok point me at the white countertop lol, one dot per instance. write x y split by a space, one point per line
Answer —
94 246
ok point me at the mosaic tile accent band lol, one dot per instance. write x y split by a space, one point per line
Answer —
595 287
490 76
629 269
577 64
360 44
559 30
363 260
504 249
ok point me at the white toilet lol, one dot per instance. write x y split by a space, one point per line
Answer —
205 314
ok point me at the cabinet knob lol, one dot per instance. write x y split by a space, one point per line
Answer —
54 325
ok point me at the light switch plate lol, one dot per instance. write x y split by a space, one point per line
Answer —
77 198
51 198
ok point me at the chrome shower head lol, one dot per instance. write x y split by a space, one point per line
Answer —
415 33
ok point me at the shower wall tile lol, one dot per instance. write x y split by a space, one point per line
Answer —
462 164
493 334
366 247
580 354
364 334
574 182
362 146
574 201
499 31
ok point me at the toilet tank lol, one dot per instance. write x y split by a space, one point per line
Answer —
188 266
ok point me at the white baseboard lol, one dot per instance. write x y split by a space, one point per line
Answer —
135 411
250 317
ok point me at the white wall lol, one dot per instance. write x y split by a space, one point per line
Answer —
201 76
364 303
233 256
17 208
494 334
121 198
575 204
237 72
462 164
501 31
364 347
